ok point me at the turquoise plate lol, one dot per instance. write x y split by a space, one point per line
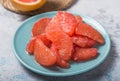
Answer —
23 34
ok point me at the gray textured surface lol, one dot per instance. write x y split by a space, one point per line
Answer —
107 12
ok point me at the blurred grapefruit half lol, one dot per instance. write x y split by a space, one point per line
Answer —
28 5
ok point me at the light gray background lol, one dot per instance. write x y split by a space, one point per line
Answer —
107 12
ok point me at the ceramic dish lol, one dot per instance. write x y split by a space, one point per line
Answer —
23 34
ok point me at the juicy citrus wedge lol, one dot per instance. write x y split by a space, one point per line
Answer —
28 5
39 26
84 54
43 54
86 30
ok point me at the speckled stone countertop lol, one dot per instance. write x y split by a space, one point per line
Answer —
107 12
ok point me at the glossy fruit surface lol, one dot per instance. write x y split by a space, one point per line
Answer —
84 54
27 1
86 30
66 21
83 41
30 45
26 6
60 62
39 26
62 41
43 55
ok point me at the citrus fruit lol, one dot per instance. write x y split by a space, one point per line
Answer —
62 40
44 39
27 1
84 54
39 26
63 64
43 55
83 41
86 30
60 62
66 21
27 5
79 19
30 45
65 37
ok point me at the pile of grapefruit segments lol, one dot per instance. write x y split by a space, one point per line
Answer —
63 38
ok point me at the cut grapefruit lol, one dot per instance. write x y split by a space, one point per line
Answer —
44 39
79 19
43 55
28 5
30 45
39 26
62 40
83 41
84 54
27 1
66 21
88 31
60 62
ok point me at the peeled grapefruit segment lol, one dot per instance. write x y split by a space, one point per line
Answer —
39 26
79 19
63 64
44 39
43 55
86 30
30 45
60 62
61 39
83 41
84 54
66 21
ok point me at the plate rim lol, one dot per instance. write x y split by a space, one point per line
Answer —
58 74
